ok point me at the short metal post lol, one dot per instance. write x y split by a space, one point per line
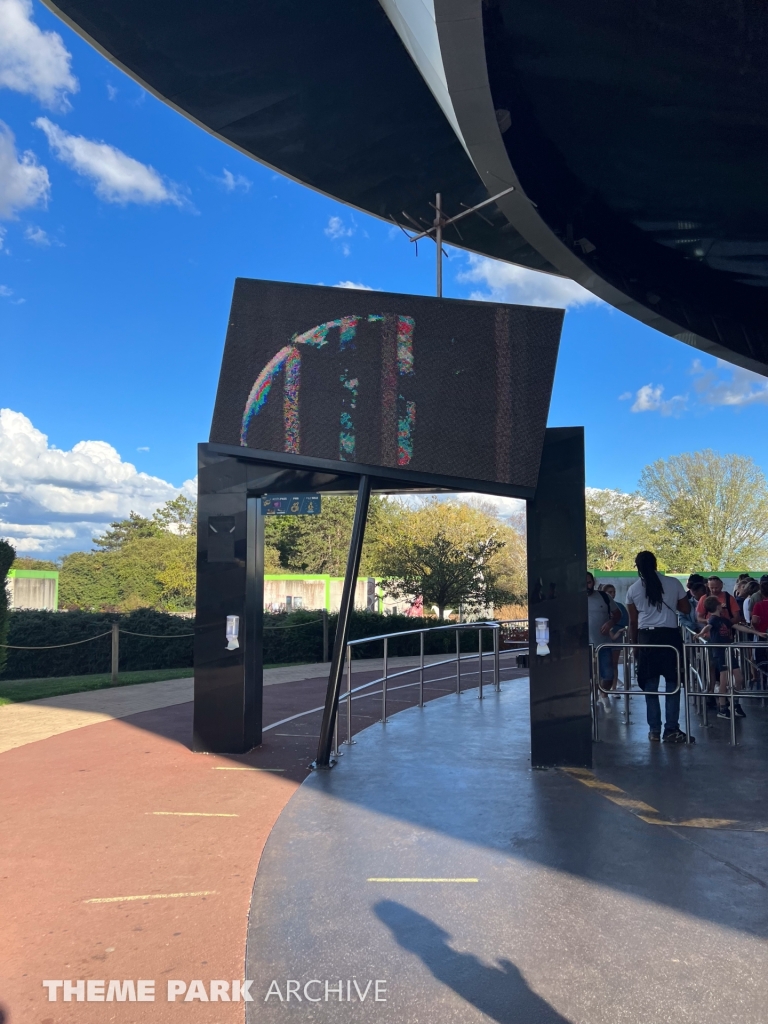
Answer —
729 657
115 651
627 684
335 751
684 694
480 660
595 693
458 661
325 635
350 741
708 673
421 670
496 657
384 685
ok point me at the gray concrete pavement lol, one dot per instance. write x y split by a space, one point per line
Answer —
554 904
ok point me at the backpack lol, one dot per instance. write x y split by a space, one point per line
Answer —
607 600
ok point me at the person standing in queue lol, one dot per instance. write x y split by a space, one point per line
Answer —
603 617
653 603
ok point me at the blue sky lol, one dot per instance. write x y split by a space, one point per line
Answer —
116 275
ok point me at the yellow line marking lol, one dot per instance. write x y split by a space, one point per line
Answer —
151 896
609 791
423 879
193 814
221 768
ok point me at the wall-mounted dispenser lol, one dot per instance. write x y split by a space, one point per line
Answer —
233 629
542 636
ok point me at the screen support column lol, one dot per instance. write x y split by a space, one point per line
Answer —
342 626
254 623
561 727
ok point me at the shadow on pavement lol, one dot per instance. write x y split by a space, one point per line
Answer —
501 992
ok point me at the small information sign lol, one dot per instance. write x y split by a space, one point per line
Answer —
291 505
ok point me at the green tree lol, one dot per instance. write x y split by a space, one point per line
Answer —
7 555
320 544
123 530
179 516
714 510
618 526
445 551
39 564
138 563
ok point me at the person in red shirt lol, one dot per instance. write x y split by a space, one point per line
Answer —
730 608
759 617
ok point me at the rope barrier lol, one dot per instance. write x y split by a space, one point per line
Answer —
156 636
293 625
51 647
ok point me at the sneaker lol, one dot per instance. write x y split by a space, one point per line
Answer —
723 712
739 710
677 736
654 737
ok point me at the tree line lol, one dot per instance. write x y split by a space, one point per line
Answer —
697 511
450 552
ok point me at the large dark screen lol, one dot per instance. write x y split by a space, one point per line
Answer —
428 386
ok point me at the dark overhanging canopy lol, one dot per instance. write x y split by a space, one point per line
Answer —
635 133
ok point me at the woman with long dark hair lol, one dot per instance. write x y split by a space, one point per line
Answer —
653 603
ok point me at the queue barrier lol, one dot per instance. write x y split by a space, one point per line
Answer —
629 650
695 680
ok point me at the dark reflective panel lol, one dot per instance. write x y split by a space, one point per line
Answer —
561 729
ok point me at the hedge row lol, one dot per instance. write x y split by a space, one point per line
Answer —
296 637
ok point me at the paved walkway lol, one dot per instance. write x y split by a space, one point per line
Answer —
126 856
434 860
34 720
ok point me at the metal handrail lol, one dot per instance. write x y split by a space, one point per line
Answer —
480 626
596 648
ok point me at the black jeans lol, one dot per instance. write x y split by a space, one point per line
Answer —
651 665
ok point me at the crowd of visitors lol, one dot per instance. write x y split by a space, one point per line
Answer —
659 615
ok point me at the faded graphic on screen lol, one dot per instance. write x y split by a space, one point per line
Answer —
287 364
429 386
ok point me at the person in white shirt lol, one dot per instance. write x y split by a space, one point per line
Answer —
653 603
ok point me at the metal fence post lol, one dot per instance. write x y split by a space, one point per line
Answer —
349 739
115 651
496 657
384 685
627 684
595 693
458 661
684 692
421 670
729 657
325 635
480 660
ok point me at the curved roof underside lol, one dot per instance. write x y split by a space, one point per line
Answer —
635 132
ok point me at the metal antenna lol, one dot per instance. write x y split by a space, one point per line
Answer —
439 225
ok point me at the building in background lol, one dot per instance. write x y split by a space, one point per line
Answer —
33 589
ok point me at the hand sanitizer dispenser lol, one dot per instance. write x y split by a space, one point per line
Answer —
233 629
542 636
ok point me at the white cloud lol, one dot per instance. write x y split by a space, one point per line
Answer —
234 182
36 235
354 284
5 291
55 500
32 61
118 177
23 182
504 282
143 449
729 385
650 399
111 91
336 228
3 233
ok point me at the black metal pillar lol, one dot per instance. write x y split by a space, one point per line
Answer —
254 623
325 742
561 730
